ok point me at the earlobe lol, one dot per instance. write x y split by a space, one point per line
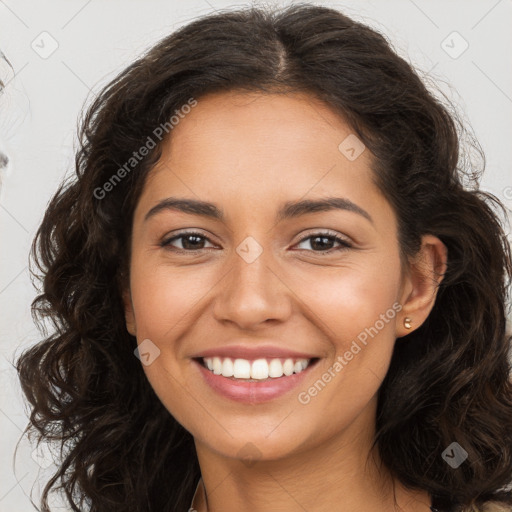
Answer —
424 276
129 314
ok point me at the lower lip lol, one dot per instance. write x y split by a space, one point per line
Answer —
252 392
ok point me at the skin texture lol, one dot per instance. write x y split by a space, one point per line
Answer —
250 153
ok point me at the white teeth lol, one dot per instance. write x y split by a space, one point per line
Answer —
259 369
275 368
227 368
242 369
217 366
288 367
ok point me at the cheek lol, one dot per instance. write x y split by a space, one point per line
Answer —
163 296
165 301
347 300
355 307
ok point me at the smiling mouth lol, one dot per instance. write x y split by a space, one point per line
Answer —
257 370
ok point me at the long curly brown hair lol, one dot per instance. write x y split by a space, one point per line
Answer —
449 381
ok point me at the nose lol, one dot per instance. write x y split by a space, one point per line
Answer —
252 293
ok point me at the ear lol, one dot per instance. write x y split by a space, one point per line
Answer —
421 281
129 314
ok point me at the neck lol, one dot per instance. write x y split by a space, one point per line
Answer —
343 473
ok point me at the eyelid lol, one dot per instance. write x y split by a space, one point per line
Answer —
325 232
166 240
345 242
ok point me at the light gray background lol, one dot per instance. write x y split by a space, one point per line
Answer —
40 106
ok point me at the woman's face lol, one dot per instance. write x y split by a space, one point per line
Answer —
266 275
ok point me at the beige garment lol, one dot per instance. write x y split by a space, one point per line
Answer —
198 503
494 506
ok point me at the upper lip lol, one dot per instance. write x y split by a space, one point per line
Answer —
253 352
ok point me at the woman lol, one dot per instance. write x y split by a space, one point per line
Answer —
4 66
268 212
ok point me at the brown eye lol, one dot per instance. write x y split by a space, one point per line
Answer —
323 242
190 242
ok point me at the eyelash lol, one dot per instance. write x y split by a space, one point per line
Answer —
325 234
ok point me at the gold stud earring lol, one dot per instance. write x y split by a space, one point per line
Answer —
407 322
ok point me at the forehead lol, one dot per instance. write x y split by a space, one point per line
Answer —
241 122
263 142
252 154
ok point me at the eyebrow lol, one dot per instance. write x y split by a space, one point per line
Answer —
289 210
